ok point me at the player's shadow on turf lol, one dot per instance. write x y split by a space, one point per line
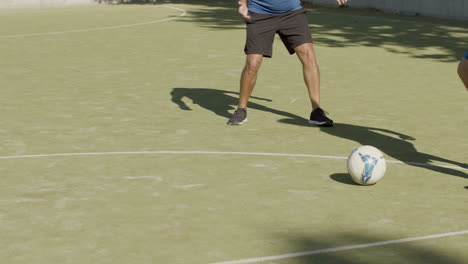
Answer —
219 102
392 143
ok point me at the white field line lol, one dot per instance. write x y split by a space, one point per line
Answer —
183 13
342 248
217 153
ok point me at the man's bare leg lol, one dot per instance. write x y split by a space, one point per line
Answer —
306 54
247 83
249 78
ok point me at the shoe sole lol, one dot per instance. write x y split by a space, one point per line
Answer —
321 124
236 124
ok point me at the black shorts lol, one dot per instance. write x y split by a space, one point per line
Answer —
292 27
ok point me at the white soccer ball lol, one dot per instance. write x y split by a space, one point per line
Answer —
366 165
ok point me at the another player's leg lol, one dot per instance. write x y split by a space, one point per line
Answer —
306 54
247 83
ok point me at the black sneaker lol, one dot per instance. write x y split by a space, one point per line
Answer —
239 117
318 117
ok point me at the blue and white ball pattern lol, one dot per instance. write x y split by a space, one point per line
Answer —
366 165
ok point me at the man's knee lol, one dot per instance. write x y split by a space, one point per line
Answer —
253 63
306 53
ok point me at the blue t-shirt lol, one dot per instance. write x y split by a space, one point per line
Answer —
273 6
466 55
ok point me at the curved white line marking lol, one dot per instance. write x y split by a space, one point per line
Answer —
184 13
342 248
217 153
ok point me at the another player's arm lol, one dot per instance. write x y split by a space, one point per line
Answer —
342 2
243 10
463 71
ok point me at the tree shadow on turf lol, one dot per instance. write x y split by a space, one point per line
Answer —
330 250
349 27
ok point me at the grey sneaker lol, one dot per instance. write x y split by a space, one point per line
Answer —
318 117
239 117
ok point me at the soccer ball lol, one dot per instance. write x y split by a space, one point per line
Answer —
366 165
